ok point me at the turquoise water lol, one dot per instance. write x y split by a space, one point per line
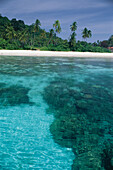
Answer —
32 87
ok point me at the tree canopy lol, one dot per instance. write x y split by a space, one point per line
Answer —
57 26
73 27
86 33
15 34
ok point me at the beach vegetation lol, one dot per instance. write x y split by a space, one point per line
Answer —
73 27
86 33
72 41
110 41
51 34
57 26
15 35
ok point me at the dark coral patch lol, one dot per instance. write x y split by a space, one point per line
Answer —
83 121
13 95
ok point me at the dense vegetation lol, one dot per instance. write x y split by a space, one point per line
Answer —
15 34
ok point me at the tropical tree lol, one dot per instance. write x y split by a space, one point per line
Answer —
72 42
73 27
89 34
43 37
10 33
98 42
51 34
104 44
57 26
17 25
36 29
23 37
86 33
37 26
110 41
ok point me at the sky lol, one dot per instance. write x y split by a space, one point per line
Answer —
96 15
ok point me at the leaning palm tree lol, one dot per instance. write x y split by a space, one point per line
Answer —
51 34
73 27
72 42
57 26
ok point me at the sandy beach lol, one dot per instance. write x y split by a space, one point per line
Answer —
53 53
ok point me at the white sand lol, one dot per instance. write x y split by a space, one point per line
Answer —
53 53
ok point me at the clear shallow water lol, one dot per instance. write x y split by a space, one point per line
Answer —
25 138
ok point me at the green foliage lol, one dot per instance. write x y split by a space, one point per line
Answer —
110 41
17 25
107 43
72 42
44 48
73 27
84 47
51 35
37 26
14 34
3 43
10 33
57 26
86 33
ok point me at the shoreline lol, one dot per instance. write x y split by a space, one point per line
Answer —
37 53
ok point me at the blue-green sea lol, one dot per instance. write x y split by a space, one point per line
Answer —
56 113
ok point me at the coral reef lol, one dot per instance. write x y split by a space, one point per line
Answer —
83 121
13 95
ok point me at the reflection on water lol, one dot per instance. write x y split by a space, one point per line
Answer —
71 97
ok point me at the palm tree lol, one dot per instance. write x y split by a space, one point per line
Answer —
51 34
37 26
73 27
23 37
57 26
10 33
57 30
86 33
72 42
43 34
89 33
